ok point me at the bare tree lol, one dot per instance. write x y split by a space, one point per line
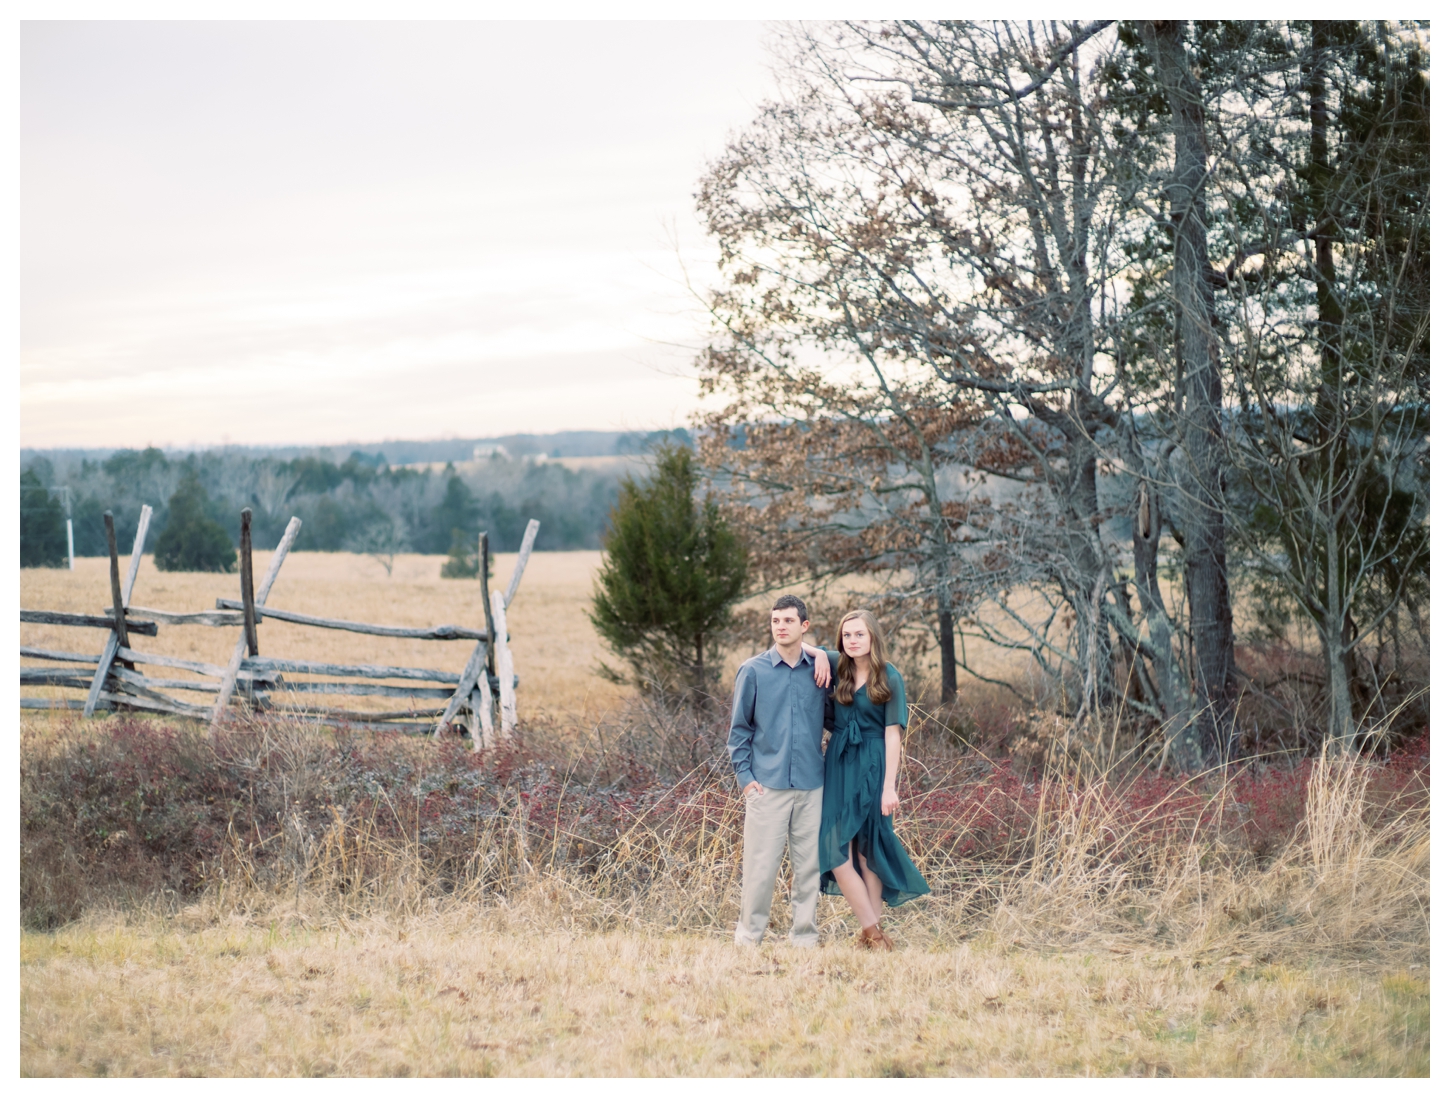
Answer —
1200 485
382 540
941 206
1329 339
960 256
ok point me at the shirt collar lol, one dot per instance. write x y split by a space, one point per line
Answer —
776 659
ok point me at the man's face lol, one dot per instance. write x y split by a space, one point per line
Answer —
787 627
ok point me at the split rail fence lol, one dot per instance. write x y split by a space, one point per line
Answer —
434 699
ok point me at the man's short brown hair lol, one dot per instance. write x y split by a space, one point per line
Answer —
792 602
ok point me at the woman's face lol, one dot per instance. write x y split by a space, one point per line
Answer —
856 638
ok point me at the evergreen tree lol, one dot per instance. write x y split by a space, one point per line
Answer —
457 510
461 564
672 570
193 541
42 525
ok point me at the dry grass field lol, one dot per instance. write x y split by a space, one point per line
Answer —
1096 954
555 648
498 992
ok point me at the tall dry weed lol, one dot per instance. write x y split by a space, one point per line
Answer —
615 828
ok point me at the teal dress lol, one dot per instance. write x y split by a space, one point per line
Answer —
851 800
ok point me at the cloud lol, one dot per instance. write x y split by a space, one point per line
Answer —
359 245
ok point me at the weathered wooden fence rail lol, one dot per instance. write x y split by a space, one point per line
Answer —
259 682
437 632
87 621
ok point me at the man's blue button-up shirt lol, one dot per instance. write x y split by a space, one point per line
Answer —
776 722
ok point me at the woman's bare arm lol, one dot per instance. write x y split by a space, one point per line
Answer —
889 799
822 661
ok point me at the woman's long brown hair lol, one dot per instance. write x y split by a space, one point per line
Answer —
877 688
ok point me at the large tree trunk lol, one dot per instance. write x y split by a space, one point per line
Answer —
1201 483
1082 572
1172 695
946 627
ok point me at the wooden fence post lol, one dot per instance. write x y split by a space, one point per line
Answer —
483 698
487 607
229 680
125 687
118 605
467 683
249 604
508 706
103 666
481 725
525 548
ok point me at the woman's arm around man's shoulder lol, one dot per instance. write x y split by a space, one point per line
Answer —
825 661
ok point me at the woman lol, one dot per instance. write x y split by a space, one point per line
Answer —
866 862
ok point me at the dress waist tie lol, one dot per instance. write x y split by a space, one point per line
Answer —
854 733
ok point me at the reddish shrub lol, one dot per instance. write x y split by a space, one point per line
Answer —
131 806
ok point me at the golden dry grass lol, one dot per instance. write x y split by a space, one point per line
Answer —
1183 961
555 647
556 650
484 993
1313 964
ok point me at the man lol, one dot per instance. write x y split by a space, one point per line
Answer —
776 724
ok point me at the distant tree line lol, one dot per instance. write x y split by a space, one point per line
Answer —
361 504
42 524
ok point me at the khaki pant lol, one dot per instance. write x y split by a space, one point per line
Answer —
772 818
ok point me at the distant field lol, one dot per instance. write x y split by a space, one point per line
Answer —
555 647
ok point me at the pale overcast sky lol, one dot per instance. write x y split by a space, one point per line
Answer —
326 232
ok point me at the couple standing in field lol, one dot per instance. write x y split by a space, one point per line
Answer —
833 810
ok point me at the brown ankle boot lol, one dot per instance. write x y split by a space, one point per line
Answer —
873 937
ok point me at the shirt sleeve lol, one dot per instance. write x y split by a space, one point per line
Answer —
742 725
896 711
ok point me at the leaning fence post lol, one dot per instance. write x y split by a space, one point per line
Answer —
481 724
103 667
467 683
229 680
525 548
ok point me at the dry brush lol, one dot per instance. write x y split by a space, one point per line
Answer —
621 828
